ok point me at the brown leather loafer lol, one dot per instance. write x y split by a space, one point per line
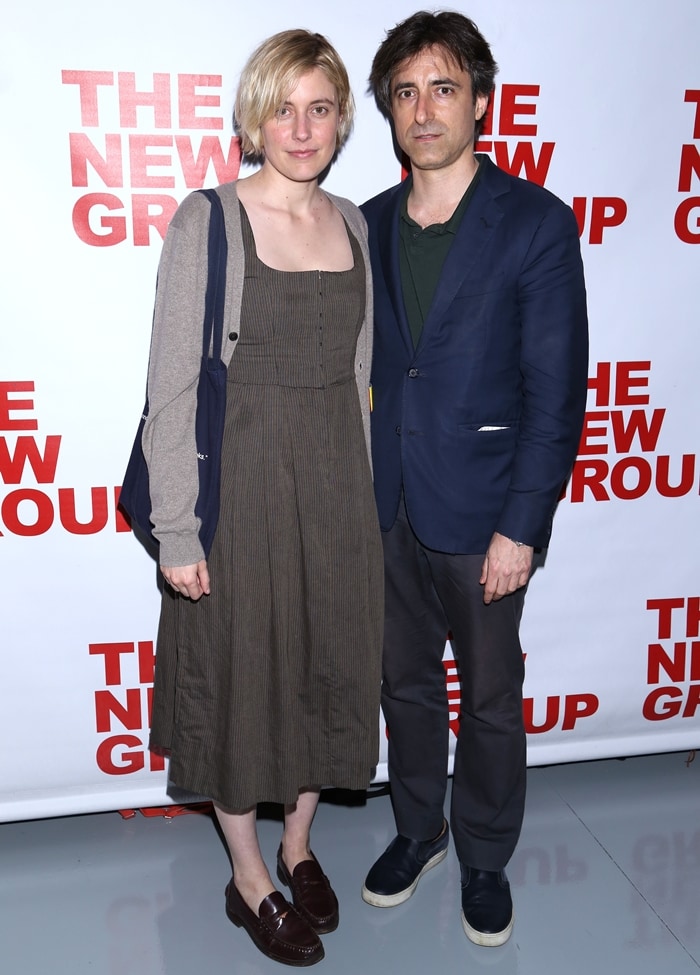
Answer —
279 932
312 894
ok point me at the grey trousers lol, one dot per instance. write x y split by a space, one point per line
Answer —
429 593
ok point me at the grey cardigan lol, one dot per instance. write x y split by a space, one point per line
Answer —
176 350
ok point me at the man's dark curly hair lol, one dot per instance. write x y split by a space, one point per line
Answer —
456 34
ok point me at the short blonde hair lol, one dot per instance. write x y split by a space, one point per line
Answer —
273 70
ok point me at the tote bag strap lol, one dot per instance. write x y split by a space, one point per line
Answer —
216 279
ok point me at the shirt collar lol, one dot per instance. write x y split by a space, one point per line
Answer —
451 226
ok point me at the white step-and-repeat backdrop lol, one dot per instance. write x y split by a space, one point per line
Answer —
110 116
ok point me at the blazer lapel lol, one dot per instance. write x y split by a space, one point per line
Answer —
389 242
478 225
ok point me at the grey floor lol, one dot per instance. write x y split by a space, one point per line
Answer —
606 879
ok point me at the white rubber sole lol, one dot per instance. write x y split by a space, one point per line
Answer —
393 900
488 939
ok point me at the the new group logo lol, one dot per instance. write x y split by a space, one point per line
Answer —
621 453
31 503
687 218
123 704
139 163
673 659
511 135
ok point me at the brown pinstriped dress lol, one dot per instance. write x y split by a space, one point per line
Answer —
271 683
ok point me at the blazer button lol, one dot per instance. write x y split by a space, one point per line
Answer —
233 336
397 430
413 373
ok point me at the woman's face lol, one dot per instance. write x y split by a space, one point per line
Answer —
300 140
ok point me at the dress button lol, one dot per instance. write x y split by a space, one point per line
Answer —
233 336
413 373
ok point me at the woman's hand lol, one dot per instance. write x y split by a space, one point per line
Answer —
189 580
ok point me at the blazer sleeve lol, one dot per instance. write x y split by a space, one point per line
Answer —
554 371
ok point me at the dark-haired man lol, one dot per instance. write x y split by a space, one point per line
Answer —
479 382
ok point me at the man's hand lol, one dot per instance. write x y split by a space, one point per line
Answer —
189 580
506 567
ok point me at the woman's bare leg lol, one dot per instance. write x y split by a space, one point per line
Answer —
297 825
251 876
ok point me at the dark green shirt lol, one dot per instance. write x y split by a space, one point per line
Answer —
422 255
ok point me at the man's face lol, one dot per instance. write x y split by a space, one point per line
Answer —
434 111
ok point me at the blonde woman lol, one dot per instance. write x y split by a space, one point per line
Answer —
268 659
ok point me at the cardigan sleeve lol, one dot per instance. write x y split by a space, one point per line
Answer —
176 349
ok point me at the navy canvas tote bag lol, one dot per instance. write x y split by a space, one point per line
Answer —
135 496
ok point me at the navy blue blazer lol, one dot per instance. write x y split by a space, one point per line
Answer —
481 422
